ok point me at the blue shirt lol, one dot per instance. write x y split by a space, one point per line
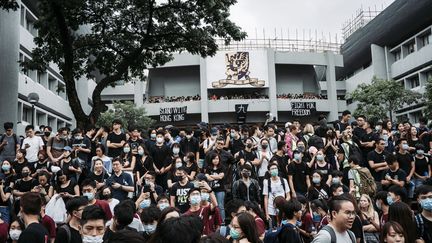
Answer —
123 179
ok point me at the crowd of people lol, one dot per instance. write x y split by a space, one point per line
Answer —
301 96
254 95
163 99
353 181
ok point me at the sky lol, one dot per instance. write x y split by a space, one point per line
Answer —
311 16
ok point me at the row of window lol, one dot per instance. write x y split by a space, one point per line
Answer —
25 114
415 44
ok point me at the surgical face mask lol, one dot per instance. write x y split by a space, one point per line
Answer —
234 234
176 150
420 152
426 204
126 149
405 146
153 135
316 217
274 172
205 196
14 234
164 205
178 164
195 199
6 167
335 180
232 134
320 157
145 203
159 140
188 136
390 200
378 205
385 137
141 152
78 137
316 180
90 196
92 239
297 157
149 228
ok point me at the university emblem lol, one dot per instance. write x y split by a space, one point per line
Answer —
237 71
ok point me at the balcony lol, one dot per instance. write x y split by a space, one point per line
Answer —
412 61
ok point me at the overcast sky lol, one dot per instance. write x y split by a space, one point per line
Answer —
324 16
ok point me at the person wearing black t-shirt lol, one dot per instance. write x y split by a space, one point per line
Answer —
343 123
74 207
30 211
298 175
115 140
377 160
394 175
180 190
293 213
161 155
189 144
135 140
281 159
235 142
422 166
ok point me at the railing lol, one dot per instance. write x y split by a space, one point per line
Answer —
362 18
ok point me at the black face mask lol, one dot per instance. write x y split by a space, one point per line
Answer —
249 145
264 146
47 134
25 174
106 197
178 178
246 174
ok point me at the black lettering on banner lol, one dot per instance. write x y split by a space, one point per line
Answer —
172 114
302 108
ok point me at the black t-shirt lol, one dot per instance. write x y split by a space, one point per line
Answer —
143 166
19 166
161 155
192 167
86 144
421 166
399 175
359 133
427 230
376 158
236 145
404 161
43 165
181 195
135 143
426 140
341 126
65 167
62 236
217 185
187 145
99 178
282 162
7 202
35 233
115 138
290 233
368 137
25 186
325 170
299 171
248 156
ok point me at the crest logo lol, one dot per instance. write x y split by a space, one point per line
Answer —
237 71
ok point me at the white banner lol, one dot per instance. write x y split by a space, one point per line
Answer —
237 69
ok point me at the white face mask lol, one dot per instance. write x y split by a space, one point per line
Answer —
14 234
159 140
92 239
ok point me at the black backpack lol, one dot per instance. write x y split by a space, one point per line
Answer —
333 234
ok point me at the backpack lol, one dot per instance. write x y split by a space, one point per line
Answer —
364 181
273 236
351 150
269 185
3 137
421 227
316 141
68 232
330 230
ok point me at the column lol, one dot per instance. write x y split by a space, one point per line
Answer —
331 86
204 91
272 82
139 93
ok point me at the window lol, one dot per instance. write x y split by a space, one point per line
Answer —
413 82
52 84
428 75
410 47
397 55
26 115
425 39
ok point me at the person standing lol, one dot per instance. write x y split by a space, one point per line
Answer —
55 146
9 143
115 140
34 231
32 144
69 233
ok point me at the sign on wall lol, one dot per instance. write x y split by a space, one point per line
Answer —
302 108
241 111
240 69
172 114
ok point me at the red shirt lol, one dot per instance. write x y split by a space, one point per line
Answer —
207 216
105 207
50 225
4 230
260 225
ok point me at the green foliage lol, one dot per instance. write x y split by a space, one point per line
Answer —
381 97
129 114
428 99
114 40
8 5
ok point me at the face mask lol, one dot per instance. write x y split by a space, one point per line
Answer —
320 157
390 200
316 217
195 199
377 128
25 174
214 137
126 150
234 234
301 148
47 134
298 223
274 172
420 152
149 228
92 239
249 145
378 205
153 135
141 152
232 134
205 197
178 178
5 167
162 206
426 204
78 137
385 137
145 203
297 157
246 174
106 196
335 180
316 180
159 140
264 146
188 136
176 150
186 159
284 222
90 196
405 146
14 234
178 165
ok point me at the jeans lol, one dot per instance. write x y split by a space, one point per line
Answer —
5 214
220 198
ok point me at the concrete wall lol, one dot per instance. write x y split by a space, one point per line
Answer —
295 79
174 81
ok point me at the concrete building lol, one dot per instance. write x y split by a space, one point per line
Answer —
16 43
396 44
282 68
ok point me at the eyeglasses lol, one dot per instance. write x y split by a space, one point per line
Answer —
350 213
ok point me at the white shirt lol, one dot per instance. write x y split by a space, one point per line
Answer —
36 144
324 237
263 168
276 191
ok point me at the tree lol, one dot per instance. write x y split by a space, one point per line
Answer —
381 97
8 5
111 40
428 99
129 114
